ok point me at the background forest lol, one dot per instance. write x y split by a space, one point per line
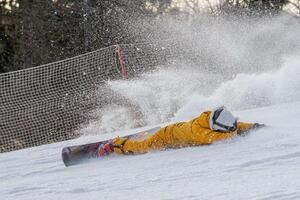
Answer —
39 32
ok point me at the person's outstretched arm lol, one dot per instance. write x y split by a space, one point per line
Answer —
244 128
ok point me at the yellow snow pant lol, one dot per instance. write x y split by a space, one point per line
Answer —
152 142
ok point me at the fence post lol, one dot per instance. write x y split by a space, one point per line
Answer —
121 61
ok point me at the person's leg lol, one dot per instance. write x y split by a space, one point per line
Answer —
131 146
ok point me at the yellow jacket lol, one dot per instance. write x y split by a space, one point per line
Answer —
182 134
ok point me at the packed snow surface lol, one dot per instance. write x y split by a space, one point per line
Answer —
262 165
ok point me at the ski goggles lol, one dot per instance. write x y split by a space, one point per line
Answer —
223 126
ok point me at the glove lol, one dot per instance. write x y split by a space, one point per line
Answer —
257 126
105 149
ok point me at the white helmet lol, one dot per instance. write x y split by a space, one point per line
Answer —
222 120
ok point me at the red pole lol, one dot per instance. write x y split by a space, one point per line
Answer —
121 61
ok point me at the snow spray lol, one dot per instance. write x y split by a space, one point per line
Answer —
257 65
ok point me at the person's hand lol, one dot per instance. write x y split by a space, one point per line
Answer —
257 126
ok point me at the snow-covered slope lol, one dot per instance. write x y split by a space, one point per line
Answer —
263 165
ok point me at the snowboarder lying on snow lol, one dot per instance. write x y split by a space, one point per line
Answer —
209 127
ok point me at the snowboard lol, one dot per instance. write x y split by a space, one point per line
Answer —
73 155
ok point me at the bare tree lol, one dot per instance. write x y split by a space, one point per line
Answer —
295 6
